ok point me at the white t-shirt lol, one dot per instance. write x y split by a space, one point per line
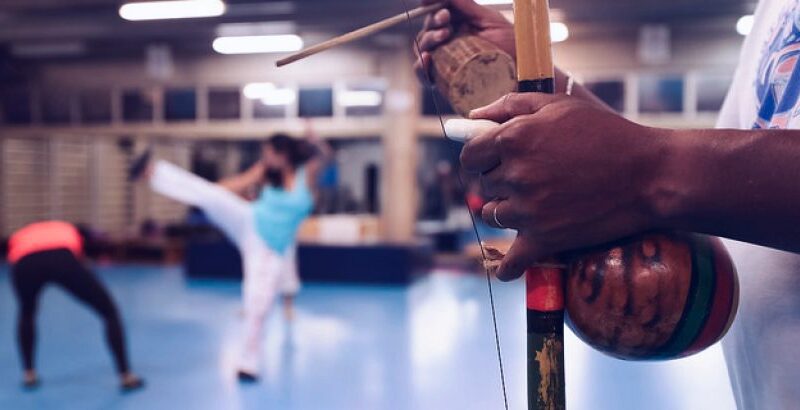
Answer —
762 349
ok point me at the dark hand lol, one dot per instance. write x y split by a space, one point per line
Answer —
439 27
565 174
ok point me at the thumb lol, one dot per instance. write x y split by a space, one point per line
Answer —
513 105
522 255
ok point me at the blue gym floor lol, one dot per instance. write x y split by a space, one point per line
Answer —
428 346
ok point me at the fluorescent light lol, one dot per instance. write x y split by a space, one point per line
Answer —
493 2
359 98
176 9
269 94
745 25
279 97
256 91
258 44
255 29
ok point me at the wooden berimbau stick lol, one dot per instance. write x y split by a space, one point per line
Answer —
360 33
544 287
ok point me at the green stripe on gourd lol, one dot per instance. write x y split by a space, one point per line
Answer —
699 300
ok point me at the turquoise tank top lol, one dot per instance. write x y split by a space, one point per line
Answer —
279 212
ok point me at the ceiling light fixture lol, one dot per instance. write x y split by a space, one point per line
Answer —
269 94
359 98
280 97
255 29
282 43
175 9
256 91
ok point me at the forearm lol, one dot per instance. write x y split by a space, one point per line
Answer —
743 185
234 184
241 182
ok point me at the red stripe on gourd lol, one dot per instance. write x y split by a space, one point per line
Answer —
723 308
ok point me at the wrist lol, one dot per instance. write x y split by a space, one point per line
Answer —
667 190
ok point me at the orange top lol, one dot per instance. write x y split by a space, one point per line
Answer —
44 236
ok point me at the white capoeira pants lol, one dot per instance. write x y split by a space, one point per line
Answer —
266 272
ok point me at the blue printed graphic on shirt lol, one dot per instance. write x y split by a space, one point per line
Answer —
778 81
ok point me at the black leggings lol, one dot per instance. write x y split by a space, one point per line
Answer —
60 266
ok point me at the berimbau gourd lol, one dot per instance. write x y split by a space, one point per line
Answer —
654 297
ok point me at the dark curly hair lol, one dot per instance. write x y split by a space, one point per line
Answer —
298 151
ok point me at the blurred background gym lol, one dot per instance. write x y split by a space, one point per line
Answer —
394 312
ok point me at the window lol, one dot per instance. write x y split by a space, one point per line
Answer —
315 102
224 104
95 106
660 93
16 105
263 109
711 91
612 92
137 105
180 104
56 107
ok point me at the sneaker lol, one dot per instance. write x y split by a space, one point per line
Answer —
131 384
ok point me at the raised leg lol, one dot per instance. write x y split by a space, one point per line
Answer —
229 212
